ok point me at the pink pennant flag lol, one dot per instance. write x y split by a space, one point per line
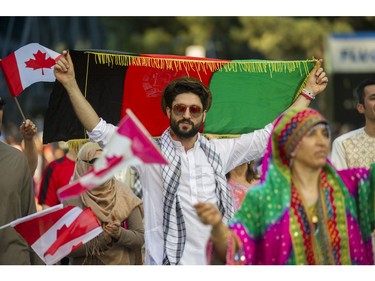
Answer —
130 145
30 64
55 232
142 145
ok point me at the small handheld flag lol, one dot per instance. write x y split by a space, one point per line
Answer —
55 232
29 64
130 145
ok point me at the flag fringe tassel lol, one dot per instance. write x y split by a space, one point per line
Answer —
174 64
76 144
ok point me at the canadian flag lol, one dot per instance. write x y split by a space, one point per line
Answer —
55 232
29 64
130 145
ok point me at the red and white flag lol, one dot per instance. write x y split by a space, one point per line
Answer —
55 232
29 64
130 145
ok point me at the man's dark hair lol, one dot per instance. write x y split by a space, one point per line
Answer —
185 85
360 94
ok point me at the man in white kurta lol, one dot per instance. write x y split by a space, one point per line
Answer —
353 149
197 184
357 148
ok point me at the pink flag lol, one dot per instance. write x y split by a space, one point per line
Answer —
57 231
130 145
29 64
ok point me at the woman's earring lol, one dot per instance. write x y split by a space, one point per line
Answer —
292 154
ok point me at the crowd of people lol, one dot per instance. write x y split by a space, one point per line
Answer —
212 204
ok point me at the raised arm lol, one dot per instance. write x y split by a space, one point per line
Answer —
64 72
316 83
28 131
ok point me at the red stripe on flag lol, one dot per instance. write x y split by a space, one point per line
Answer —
83 224
72 189
11 74
144 85
33 229
141 144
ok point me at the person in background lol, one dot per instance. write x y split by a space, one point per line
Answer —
357 147
119 211
240 179
27 145
173 233
130 177
58 174
303 211
29 130
17 200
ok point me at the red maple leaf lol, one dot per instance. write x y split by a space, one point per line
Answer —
62 230
83 224
40 62
76 246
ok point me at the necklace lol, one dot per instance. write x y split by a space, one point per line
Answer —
312 213
314 219
317 228
312 210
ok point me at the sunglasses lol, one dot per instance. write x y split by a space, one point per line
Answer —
180 109
91 162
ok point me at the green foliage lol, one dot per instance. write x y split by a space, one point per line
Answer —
266 37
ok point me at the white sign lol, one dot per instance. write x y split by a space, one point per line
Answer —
352 53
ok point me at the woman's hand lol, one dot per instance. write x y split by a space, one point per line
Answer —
28 129
113 228
208 213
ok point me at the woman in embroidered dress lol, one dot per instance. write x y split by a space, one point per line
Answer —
118 210
240 179
303 211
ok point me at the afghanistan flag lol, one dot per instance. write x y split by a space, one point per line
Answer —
247 94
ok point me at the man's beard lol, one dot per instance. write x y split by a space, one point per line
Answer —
185 134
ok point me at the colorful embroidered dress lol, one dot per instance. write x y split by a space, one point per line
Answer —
238 191
272 225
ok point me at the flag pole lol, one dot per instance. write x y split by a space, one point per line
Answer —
20 109
5 225
34 215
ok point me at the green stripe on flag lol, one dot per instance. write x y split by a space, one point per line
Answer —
248 99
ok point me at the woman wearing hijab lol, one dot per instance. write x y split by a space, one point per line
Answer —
303 211
118 210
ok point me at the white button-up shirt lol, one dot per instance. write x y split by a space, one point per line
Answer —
197 184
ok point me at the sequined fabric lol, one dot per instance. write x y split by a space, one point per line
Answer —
272 227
